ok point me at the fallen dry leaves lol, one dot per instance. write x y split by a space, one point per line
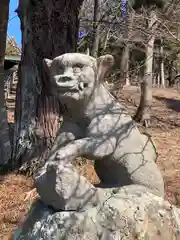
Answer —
13 208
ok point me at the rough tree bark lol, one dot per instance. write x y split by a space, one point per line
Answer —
49 28
124 75
143 113
96 29
5 146
170 73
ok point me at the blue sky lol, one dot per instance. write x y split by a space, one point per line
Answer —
14 23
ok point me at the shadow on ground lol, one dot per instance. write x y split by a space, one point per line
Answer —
173 104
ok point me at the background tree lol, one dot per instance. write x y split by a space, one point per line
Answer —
161 50
49 28
127 29
144 110
96 28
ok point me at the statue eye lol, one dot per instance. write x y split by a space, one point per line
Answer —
78 65
77 68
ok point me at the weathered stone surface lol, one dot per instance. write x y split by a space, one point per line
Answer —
127 214
61 187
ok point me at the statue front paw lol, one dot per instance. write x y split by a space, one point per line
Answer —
66 154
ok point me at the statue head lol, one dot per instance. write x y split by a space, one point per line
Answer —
75 76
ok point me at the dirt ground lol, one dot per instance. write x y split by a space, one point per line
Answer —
165 132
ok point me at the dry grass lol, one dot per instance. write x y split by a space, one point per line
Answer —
165 132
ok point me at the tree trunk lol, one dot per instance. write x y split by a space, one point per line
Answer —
5 146
96 29
49 28
158 80
124 75
125 65
162 64
170 71
143 113
105 41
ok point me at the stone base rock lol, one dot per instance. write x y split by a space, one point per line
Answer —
127 214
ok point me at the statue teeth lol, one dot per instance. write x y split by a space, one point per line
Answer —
81 85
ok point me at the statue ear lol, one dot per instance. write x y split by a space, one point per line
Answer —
47 62
104 64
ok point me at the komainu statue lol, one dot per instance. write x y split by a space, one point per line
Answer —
95 126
